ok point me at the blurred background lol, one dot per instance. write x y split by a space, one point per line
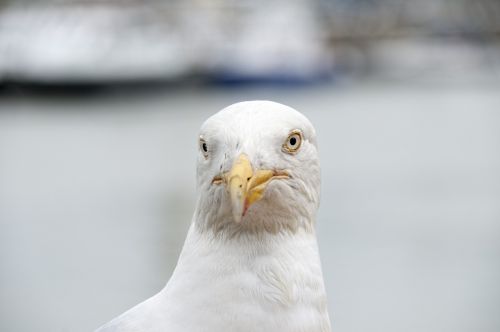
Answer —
100 105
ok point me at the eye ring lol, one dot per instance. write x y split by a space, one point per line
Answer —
203 147
293 142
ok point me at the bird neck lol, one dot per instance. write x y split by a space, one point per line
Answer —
208 253
249 245
279 272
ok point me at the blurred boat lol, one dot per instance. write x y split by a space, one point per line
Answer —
81 42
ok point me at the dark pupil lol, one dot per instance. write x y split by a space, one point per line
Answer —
293 140
204 147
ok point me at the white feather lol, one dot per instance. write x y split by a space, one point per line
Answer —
263 274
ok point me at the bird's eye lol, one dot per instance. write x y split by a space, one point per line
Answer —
293 142
203 147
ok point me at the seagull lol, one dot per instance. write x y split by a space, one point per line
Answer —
250 261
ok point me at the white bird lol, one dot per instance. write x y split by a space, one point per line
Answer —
250 261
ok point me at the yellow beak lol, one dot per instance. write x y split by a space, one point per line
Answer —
246 186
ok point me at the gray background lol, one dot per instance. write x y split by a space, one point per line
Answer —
100 106
97 193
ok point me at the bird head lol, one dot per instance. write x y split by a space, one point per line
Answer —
258 169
